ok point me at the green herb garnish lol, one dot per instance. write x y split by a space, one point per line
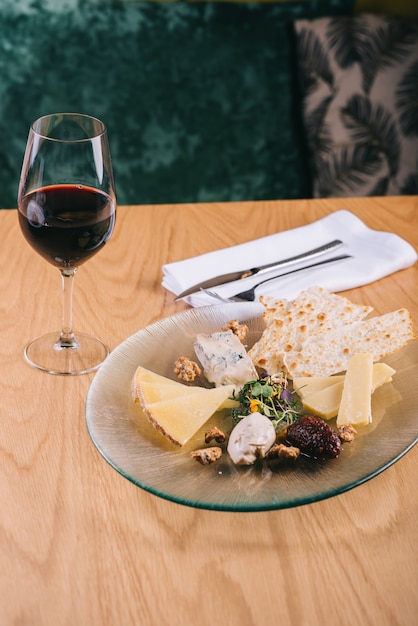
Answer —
270 396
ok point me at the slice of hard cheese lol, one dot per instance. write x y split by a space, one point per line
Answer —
178 419
148 393
143 375
355 407
326 402
148 387
306 385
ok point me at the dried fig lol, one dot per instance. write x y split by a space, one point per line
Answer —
314 437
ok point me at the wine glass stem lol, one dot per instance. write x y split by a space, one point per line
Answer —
67 338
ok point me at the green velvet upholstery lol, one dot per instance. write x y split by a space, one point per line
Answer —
200 99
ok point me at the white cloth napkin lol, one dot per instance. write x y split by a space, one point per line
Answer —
375 255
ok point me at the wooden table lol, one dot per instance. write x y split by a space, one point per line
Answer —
80 545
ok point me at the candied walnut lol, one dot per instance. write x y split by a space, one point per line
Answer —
216 434
346 432
186 369
273 452
240 330
281 451
206 456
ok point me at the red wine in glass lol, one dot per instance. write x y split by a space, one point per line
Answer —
67 224
67 211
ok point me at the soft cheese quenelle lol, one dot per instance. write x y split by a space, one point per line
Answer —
251 439
224 359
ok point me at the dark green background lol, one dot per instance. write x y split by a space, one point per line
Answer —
200 100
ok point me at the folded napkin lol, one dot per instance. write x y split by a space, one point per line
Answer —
375 254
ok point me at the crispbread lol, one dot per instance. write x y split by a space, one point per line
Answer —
328 353
291 322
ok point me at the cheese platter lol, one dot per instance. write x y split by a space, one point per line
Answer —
134 448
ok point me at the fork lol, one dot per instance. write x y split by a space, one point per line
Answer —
249 294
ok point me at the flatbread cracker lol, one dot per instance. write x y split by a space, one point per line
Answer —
291 322
328 353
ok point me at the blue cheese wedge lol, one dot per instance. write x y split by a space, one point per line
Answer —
224 359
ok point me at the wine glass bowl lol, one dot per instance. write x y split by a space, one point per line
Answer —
67 211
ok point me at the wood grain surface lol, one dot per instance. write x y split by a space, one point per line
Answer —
80 545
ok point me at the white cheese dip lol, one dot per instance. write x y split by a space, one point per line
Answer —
251 439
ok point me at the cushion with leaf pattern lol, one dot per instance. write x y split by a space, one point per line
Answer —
359 82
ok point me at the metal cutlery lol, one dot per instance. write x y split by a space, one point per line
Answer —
216 281
249 294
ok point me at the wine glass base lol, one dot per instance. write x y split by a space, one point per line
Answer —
44 354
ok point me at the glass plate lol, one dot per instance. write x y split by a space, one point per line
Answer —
129 443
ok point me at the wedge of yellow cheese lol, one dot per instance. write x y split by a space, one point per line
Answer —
306 385
382 374
179 418
143 375
356 407
326 402
149 387
177 410
149 393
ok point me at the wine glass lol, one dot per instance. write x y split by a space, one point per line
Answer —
67 211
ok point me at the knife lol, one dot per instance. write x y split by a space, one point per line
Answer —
232 276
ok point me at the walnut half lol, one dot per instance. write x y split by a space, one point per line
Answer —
281 451
216 434
240 330
205 456
346 433
186 369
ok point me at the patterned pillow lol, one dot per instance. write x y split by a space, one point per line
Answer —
359 81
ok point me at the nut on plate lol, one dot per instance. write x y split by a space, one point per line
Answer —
346 432
281 451
240 330
206 456
216 434
186 369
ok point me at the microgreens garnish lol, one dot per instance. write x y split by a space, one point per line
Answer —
270 396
